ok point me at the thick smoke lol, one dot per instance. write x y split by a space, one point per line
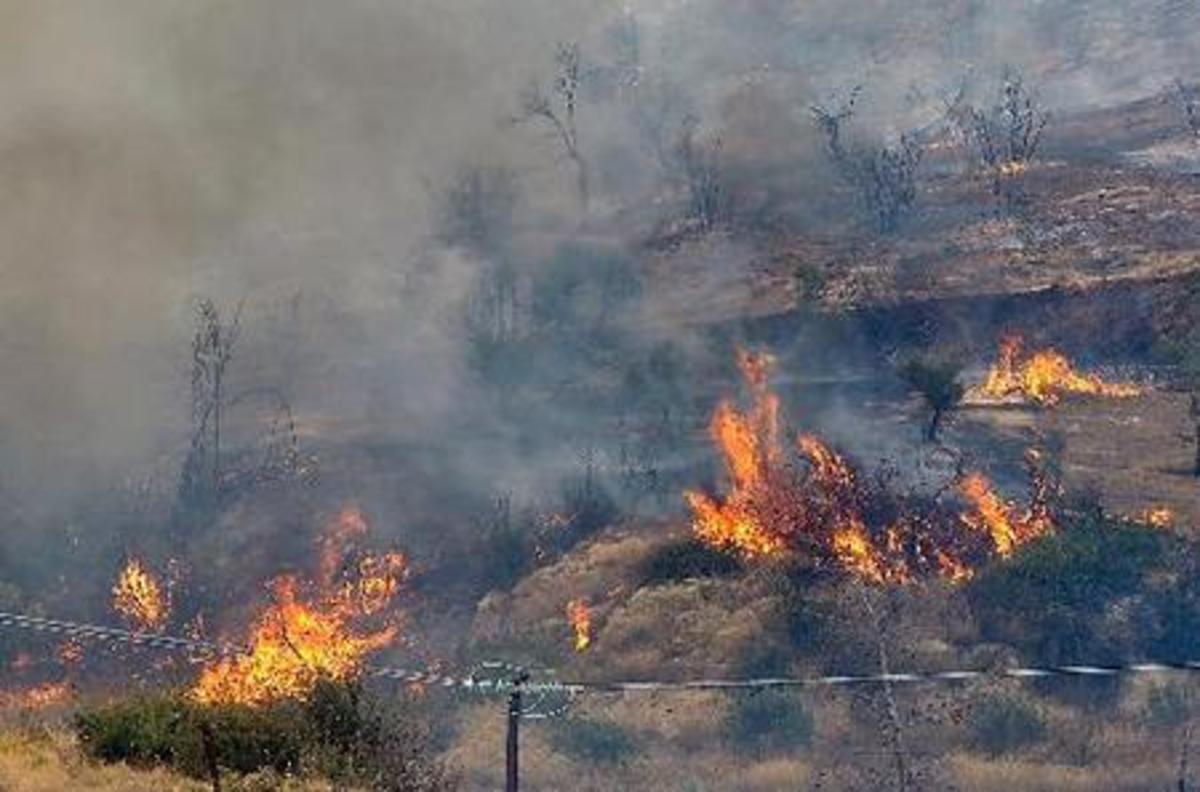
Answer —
290 155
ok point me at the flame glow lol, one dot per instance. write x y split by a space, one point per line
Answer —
580 617
139 597
299 640
1158 517
1042 377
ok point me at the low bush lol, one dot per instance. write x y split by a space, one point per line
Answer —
340 733
1006 725
769 721
171 730
594 741
686 559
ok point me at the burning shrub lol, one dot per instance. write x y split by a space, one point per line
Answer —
686 559
1006 724
810 501
595 741
770 721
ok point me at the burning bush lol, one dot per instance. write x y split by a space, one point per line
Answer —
313 632
812 501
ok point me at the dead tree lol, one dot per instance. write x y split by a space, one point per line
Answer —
883 176
1005 138
558 109
893 722
700 163
1188 102
213 343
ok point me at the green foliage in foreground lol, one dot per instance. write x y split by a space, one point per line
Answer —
1097 591
340 733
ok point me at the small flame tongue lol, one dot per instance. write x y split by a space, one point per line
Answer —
139 597
580 617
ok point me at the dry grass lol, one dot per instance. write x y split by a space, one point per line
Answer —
1136 452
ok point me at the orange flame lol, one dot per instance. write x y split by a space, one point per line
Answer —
1008 527
749 443
1043 377
39 697
1158 517
297 641
580 617
773 507
139 597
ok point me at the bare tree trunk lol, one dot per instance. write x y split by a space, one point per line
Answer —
1185 749
1196 468
582 184
935 423
895 725
217 396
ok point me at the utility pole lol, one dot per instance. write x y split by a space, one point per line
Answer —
512 775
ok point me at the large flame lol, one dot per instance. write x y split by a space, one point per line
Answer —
1042 377
814 503
139 597
580 617
749 443
301 639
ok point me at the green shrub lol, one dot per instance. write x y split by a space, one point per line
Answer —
1005 725
689 558
598 742
769 721
169 730
1168 705
1050 599
339 733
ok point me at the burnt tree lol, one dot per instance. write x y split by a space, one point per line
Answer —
558 108
884 176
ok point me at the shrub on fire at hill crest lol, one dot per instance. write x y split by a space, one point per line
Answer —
340 733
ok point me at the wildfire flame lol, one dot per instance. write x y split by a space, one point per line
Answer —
139 597
1158 517
580 617
299 640
749 443
816 504
39 697
1042 377
1009 526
